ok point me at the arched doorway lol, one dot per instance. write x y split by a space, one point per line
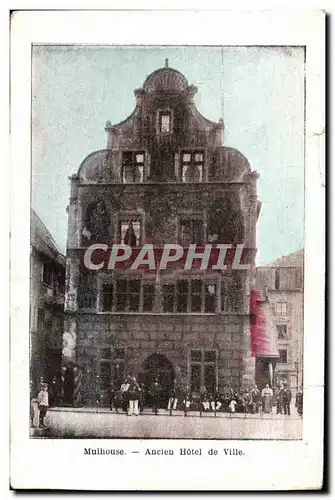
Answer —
158 366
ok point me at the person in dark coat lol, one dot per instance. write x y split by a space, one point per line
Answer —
287 396
125 396
279 399
187 399
155 392
256 399
299 399
130 236
55 392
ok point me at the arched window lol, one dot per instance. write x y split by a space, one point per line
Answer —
97 223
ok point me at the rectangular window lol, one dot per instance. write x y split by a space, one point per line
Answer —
121 294
134 287
196 355
281 308
192 166
182 295
148 296
210 298
165 122
191 231
47 277
168 297
128 295
298 278
111 366
231 294
86 290
107 297
282 356
189 295
202 370
132 166
130 232
196 286
281 331
277 279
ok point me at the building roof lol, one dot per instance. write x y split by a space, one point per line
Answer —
165 80
42 241
295 259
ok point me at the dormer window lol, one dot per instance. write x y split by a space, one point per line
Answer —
165 122
192 166
132 166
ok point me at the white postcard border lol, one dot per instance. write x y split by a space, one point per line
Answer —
61 464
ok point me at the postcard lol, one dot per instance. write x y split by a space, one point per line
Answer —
167 250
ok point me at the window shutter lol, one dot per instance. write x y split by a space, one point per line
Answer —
273 309
289 309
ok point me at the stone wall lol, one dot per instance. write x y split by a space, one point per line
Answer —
169 335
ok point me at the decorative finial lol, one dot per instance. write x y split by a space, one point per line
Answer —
166 62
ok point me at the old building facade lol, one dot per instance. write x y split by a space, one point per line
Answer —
47 283
282 281
164 177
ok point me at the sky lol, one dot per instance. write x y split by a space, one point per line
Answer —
259 91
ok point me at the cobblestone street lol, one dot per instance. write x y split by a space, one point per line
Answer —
101 423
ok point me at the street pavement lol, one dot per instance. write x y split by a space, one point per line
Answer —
101 423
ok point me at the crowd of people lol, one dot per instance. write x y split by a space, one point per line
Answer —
132 397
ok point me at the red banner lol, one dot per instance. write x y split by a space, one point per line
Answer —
263 333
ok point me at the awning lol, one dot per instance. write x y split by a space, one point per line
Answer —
263 332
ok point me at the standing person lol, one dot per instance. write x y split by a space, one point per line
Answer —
216 401
279 399
124 392
232 406
248 401
155 392
55 392
141 401
287 396
187 400
62 384
130 236
299 401
205 401
43 403
256 399
267 395
134 396
173 396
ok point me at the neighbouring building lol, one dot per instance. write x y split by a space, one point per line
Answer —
47 281
282 281
164 177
